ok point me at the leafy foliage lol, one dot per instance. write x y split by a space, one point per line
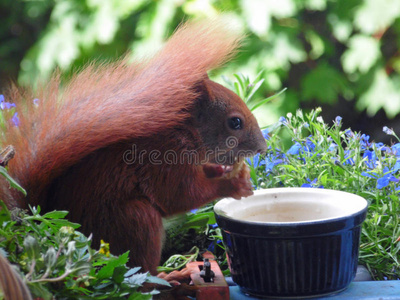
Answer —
57 261
191 233
322 49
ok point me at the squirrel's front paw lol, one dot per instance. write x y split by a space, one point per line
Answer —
232 181
241 188
240 184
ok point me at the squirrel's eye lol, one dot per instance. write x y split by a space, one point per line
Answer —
235 123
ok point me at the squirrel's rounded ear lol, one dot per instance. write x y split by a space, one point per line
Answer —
205 96
205 89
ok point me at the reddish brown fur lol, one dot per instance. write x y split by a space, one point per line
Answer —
70 148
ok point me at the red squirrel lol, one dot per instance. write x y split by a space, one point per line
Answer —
122 145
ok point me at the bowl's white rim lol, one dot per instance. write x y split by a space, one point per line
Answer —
220 206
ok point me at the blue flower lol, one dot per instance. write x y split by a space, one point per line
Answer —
265 133
295 149
364 141
332 147
299 148
349 133
312 184
270 161
36 101
310 146
15 119
370 159
348 160
211 247
395 149
380 146
273 160
255 161
396 166
283 121
388 130
382 181
338 120
4 104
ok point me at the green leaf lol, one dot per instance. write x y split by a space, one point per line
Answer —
382 93
323 179
199 220
253 174
156 280
57 214
338 143
228 82
317 44
108 270
39 290
137 279
32 247
139 296
341 29
119 274
259 13
50 257
373 16
262 102
12 182
63 222
315 4
324 83
4 213
362 53
132 271
254 89
81 268
240 85
290 168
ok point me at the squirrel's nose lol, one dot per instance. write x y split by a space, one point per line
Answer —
259 151
261 144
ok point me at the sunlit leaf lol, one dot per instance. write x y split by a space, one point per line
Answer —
373 16
317 44
383 93
315 4
258 13
362 53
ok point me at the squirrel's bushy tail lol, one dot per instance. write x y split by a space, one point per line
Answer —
105 104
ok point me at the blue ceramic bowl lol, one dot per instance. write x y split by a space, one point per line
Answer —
292 242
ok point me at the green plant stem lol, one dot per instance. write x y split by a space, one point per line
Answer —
31 269
60 278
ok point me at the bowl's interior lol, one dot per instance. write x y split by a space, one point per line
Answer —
285 205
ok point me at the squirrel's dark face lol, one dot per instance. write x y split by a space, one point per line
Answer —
228 128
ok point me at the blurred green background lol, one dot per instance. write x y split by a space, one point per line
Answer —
342 55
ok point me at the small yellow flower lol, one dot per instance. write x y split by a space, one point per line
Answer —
104 248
